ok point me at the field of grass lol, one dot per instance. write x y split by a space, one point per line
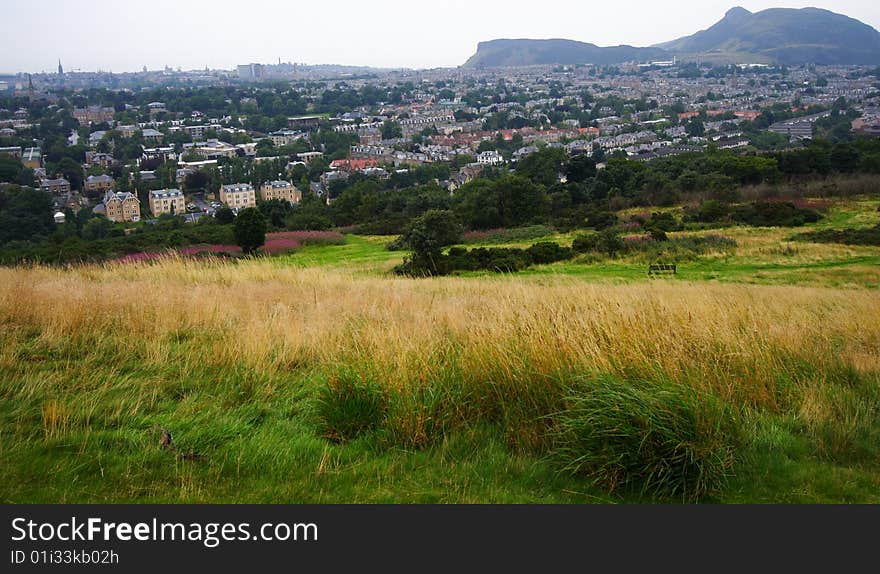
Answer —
752 376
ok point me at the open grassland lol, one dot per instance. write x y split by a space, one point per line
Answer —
316 377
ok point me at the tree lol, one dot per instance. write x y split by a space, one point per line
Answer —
695 128
391 130
427 236
25 214
542 167
224 215
250 230
580 169
97 228
72 171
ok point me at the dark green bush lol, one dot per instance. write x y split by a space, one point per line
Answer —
662 439
548 252
775 214
662 222
865 236
585 243
600 220
710 211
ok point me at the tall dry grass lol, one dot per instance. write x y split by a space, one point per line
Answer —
735 339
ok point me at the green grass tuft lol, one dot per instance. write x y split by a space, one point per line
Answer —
662 439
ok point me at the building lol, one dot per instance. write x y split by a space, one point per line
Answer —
58 186
93 115
104 160
122 207
14 151
490 158
169 201
152 136
156 108
32 158
304 122
99 184
238 196
283 190
353 164
307 157
250 72
285 137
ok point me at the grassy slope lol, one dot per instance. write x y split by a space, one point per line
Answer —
82 396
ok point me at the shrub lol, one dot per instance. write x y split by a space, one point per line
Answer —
662 222
585 243
609 243
666 440
350 405
600 220
659 235
710 211
866 236
548 252
775 214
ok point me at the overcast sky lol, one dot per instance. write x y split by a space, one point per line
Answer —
120 35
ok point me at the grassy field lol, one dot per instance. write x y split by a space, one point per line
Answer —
752 376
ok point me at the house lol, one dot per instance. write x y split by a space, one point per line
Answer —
93 114
58 186
238 196
161 153
104 160
96 137
283 190
490 158
126 131
332 176
156 108
212 149
122 207
169 201
285 137
308 157
99 183
353 164
152 136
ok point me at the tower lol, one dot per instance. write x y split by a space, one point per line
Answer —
60 68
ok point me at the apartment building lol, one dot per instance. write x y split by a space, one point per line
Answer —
283 190
238 196
169 201
99 184
122 207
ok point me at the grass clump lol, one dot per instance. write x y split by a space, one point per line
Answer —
662 439
350 405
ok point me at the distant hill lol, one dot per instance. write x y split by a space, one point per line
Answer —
787 36
500 53
778 35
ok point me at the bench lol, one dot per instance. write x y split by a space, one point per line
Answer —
662 268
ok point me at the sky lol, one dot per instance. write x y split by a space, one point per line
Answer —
122 35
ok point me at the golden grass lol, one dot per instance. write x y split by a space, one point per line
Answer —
735 339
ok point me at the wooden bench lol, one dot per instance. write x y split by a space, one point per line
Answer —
662 269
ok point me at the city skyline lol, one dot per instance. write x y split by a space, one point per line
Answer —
392 36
